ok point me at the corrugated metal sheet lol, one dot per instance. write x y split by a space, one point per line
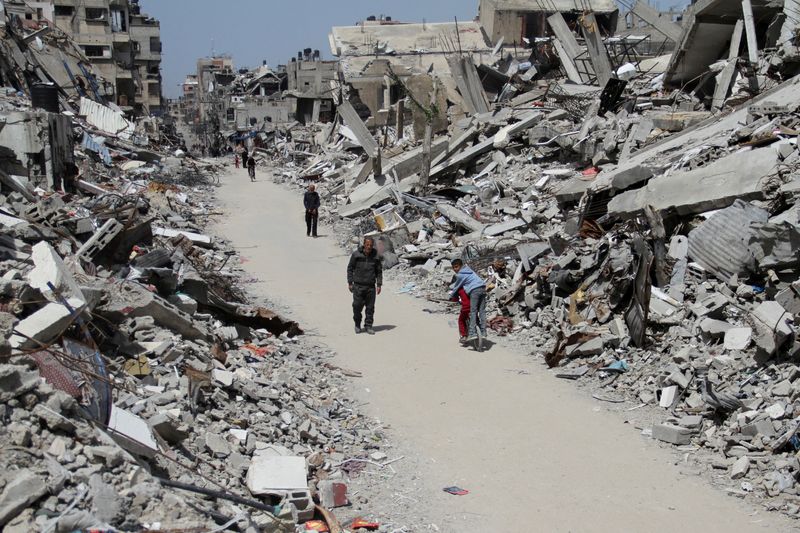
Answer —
106 119
720 244
90 143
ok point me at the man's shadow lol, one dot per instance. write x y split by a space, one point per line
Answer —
387 327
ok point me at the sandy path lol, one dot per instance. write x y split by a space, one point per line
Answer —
535 455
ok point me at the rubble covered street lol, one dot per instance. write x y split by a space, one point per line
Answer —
178 356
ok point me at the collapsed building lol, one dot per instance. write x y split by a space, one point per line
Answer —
629 196
123 44
141 388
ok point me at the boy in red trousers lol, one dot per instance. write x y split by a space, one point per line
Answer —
463 317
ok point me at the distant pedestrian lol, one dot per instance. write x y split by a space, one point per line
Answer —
244 159
251 167
475 288
311 203
236 160
364 279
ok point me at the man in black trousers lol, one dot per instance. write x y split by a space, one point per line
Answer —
311 202
364 279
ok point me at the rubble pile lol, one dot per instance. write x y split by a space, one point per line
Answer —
640 240
137 378
140 389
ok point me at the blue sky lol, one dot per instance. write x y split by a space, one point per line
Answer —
273 30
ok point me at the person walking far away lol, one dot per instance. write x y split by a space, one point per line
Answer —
251 167
236 160
311 203
364 279
475 288
244 159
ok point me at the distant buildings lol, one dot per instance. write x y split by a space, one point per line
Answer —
122 43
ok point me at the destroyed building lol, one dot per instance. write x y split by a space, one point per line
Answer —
627 187
123 44
366 50
313 82
521 22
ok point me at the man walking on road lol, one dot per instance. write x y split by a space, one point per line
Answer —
475 288
251 167
364 279
311 203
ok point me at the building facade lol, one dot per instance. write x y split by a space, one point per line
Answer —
122 43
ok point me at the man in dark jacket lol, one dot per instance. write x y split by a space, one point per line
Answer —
364 279
311 202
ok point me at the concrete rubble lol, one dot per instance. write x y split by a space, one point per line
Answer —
639 235
631 198
141 387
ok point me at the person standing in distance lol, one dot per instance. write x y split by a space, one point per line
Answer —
364 279
251 167
311 203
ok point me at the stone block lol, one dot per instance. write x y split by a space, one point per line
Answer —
132 432
50 268
100 240
712 329
270 473
223 377
672 434
738 338
217 445
44 325
167 429
332 494
23 489
130 300
740 467
668 395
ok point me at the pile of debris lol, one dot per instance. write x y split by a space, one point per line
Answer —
640 241
140 389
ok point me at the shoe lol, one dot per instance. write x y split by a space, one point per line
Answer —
358 330
370 331
462 340
472 338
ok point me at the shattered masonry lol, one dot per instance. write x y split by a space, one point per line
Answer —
627 182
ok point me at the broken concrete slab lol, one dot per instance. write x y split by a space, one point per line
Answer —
45 325
196 238
23 489
48 269
718 185
268 474
132 432
720 244
673 434
130 300
459 217
738 338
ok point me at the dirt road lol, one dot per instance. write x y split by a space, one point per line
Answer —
535 454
